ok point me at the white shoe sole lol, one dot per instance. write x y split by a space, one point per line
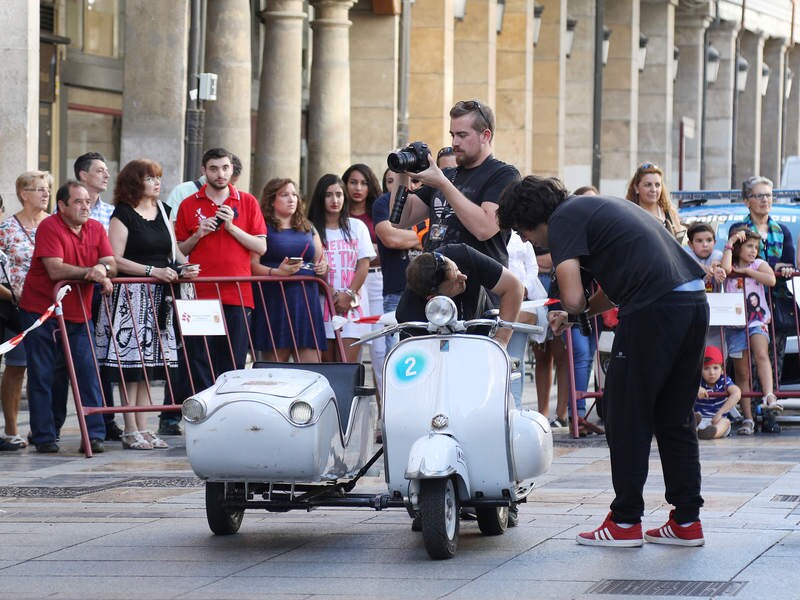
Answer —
667 541
610 543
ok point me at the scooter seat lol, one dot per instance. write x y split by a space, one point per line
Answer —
346 380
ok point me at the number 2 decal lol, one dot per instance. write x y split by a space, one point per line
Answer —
410 362
410 367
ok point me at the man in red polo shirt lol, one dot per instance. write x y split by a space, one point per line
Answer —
218 227
69 245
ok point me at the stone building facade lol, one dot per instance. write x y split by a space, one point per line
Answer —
306 87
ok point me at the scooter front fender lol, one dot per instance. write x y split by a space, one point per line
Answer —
434 456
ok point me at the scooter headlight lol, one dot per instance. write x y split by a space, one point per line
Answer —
440 421
300 413
194 410
440 311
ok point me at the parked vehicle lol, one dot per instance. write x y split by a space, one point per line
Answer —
452 435
299 436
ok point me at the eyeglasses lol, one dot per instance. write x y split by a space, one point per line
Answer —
41 190
648 165
764 196
152 179
474 105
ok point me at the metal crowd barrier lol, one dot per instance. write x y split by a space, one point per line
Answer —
315 290
792 342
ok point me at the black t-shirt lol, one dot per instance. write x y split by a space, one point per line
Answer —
393 262
634 259
148 242
480 184
481 272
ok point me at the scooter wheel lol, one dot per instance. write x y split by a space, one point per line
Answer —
222 520
438 503
492 520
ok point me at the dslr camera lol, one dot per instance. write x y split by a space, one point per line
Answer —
411 159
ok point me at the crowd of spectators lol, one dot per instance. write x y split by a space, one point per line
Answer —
209 227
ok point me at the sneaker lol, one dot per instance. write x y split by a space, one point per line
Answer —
558 424
169 428
47 448
6 445
113 432
611 534
96 445
673 533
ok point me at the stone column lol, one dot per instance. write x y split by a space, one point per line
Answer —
513 107
373 86
688 97
620 97
656 121
155 85
280 103
719 110
772 110
228 54
430 94
579 97
329 104
549 87
791 141
748 118
475 53
19 96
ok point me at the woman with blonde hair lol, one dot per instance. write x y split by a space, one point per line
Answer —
17 240
647 189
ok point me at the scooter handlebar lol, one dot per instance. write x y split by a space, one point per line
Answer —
390 329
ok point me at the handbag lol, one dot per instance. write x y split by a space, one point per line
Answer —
783 310
183 291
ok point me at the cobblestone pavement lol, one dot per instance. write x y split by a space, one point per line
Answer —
128 524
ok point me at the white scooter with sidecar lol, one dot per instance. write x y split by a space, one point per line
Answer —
452 436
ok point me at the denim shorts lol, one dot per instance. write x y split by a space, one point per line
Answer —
736 341
15 357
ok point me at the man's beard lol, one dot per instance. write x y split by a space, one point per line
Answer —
214 185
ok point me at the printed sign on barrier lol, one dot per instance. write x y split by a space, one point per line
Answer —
726 309
200 317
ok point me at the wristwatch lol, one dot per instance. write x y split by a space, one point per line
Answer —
106 267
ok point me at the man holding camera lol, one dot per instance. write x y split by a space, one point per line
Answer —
658 348
461 202
218 227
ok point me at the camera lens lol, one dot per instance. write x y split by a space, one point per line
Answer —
401 161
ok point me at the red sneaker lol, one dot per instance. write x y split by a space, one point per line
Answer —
611 534
673 533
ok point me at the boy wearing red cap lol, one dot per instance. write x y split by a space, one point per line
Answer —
710 411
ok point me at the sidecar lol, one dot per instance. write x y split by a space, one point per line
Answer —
281 436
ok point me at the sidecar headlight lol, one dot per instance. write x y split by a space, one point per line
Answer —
301 412
440 311
194 410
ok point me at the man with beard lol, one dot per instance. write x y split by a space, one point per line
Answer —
461 202
218 227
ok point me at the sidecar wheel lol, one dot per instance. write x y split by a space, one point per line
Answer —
221 520
438 503
492 520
